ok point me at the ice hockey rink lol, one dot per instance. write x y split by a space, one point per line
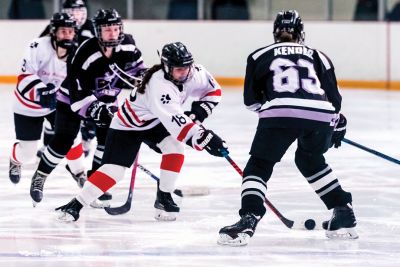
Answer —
32 236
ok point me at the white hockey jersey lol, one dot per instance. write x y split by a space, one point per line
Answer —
40 66
162 102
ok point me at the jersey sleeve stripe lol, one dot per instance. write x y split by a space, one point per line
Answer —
182 135
214 93
90 60
325 60
83 104
33 106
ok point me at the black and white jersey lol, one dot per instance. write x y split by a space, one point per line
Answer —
84 33
90 77
291 84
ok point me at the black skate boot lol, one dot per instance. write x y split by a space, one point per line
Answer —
342 224
70 212
166 208
14 171
239 233
80 178
37 184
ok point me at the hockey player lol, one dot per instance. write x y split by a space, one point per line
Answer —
90 91
85 30
43 69
153 114
293 89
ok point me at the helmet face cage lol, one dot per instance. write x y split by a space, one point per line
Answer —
105 18
62 20
176 55
289 21
79 14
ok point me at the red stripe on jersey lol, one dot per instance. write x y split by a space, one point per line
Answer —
132 111
172 162
214 93
32 94
185 131
101 180
25 104
21 77
122 119
75 152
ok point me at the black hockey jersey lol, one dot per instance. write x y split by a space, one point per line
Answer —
291 85
90 77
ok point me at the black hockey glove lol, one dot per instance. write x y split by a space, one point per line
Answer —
212 143
47 96
100 113
339 131
88 130
199 112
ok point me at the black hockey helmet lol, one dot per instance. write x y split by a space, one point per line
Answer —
108 17
73 4
77 9
289 21
58 20
175 55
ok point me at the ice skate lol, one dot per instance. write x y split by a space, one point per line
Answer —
80 178
239 233
342 224
14 171
70 211
37 184
166 208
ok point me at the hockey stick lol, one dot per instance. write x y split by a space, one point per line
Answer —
376 153
200 191
115 69
288 223
127 206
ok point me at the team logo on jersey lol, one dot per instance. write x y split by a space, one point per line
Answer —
165 99
34 45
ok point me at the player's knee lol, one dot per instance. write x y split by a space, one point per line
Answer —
258 167
112 170
308 162
170 145
62 143
26 151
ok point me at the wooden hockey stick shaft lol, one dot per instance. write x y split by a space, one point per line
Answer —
376 153
127 205
288 223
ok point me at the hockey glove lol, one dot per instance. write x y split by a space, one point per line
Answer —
212 143
100 113
199 112
47 96
339 131
88 130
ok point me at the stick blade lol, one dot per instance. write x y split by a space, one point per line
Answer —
119 210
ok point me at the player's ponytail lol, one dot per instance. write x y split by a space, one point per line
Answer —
147 77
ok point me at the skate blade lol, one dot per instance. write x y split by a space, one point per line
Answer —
226 240
342 234
98 204
34 203
162 215
65 217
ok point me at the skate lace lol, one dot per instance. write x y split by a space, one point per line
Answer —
15 169
248 220
38 182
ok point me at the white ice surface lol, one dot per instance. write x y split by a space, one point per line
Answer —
32 237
